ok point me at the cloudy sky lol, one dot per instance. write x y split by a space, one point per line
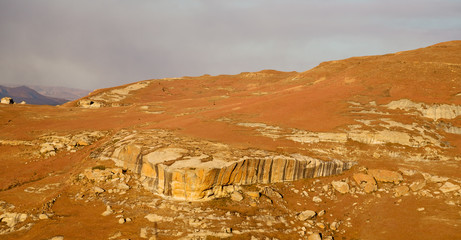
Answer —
92 44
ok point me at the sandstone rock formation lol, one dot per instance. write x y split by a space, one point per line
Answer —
183 173
433 111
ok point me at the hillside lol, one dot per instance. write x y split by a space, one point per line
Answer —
29 95
361 148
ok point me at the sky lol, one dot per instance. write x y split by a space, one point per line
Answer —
91 44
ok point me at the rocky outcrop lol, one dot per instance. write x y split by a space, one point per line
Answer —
376 137
87 103
7 100
184 173
433 111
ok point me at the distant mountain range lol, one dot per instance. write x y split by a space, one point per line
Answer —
31 96
60 92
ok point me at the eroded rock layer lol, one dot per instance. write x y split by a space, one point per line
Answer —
183 171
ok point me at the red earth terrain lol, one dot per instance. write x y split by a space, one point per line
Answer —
62 167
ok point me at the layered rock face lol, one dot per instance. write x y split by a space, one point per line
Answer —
213 171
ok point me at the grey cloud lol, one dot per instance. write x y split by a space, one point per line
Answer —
94 44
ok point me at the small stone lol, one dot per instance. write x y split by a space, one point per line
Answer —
143 233
57 238
321 213
108 211
315 236
420 209
121 220
316 199
334 226
305 215
42 216
123 186
236 196
449 187
116 235
99 190
254 195
128 220
321 225
340 186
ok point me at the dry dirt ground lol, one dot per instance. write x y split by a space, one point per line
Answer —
399 113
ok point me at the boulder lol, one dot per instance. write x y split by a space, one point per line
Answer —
386 175
365 181
306 215
7 100
11 219
449 187
340 186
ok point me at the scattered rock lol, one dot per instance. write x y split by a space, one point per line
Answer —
11 219
365 181
236 196
315 236
449 187
47 149
42 216
401 190
420 209
98 190
438 179
305 215
108 211
316 199
321 225
270 192
121 220
386 175
123 186
116 235
334 226
418 185
407 172
340 186
254 195
321 213
57 238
